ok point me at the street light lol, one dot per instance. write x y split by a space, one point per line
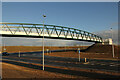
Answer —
43 40
112 43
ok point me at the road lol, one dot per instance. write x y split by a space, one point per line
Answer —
108 65
91 64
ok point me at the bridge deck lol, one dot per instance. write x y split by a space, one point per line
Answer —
50 31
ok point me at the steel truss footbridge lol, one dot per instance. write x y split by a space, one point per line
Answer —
50 31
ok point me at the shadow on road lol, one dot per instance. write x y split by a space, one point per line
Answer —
63 71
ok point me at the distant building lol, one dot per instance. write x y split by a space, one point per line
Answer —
108 41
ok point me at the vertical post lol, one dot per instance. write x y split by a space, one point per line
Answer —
19 54
113 51
79 53
4 48
43 41
79 57
50 48
85 59
112 43
47 51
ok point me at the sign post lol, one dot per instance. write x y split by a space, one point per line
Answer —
47 51
4 48
79 53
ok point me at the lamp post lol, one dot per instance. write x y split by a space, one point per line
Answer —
43 41
112 43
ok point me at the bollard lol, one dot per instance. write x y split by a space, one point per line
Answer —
19 54
47 51
85 60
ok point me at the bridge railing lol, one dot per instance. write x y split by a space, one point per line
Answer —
49 30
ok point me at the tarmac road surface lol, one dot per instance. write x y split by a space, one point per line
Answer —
104 65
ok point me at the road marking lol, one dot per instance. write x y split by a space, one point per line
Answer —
86 63
112 65
92 64
68 62
102 64
98 63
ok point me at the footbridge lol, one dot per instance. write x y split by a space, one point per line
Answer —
50 31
